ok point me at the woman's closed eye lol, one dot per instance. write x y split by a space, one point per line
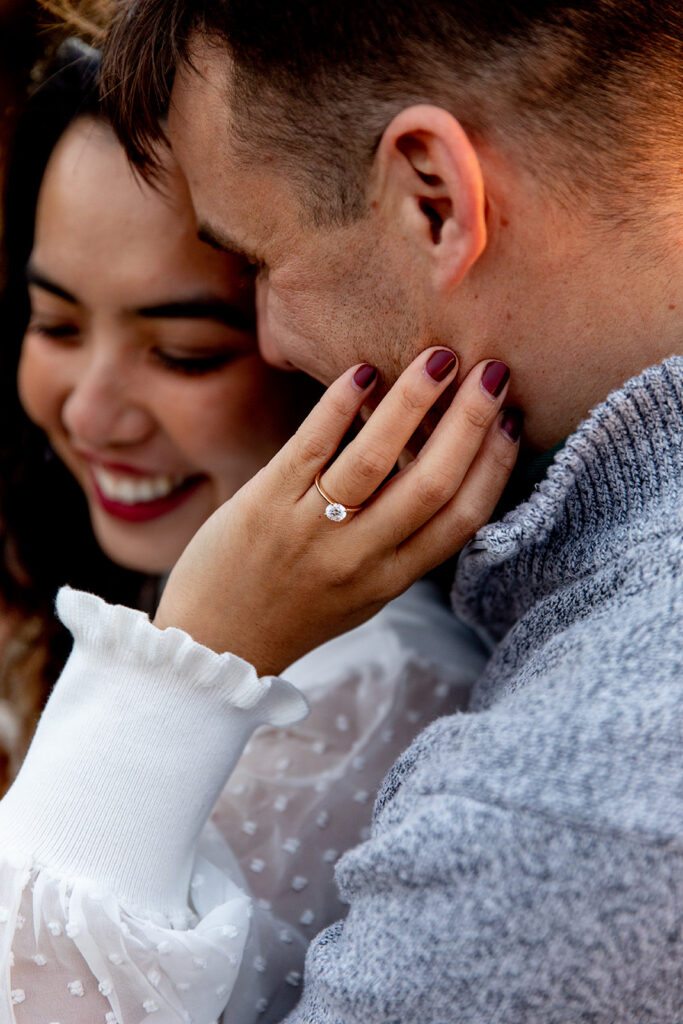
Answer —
54 331
193 365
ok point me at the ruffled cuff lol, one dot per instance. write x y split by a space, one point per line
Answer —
137 740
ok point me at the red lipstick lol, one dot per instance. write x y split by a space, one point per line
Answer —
144 511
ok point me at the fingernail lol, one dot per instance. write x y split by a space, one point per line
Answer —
511 423
440 364
495 377
364 376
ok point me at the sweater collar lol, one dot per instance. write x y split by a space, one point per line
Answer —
625 459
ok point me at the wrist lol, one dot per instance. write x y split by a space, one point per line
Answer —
136 742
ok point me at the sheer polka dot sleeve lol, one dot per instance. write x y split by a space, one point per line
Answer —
299 797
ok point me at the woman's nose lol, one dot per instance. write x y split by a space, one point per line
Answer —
101 408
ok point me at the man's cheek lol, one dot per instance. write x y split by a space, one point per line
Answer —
269 343
303 341
270 351
281 347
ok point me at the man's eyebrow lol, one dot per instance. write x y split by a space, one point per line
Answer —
201 309
223 243
34 276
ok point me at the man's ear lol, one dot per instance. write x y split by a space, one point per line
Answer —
430 177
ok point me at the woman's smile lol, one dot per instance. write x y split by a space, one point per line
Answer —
139 497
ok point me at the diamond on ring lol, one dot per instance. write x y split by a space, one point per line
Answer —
335 512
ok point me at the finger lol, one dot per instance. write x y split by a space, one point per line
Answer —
471 508
420 491
367 461
321 433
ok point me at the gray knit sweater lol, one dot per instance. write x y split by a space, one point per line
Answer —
526 859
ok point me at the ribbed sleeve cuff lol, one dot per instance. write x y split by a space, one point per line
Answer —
137 740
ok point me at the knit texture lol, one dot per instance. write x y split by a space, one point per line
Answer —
526 857
136 702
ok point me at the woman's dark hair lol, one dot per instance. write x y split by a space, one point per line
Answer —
46 538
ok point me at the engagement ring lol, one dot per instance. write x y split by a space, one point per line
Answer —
335 510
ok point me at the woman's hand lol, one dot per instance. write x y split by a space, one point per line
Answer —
269 576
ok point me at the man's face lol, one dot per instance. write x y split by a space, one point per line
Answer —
560 301
326 298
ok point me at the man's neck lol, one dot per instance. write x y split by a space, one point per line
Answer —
577 319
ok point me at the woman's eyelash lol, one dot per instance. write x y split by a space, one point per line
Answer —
188 365
195 365
54 330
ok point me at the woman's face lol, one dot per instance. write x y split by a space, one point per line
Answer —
140 359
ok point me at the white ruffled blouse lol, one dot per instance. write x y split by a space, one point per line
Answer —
123 898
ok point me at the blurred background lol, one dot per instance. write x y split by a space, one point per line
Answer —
29 33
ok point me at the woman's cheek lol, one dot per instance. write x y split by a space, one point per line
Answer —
35 383
43 378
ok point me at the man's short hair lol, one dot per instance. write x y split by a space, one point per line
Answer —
586 94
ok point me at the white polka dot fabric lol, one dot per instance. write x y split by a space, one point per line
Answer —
92 928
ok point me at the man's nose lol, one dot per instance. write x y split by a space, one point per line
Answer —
101 408
266 336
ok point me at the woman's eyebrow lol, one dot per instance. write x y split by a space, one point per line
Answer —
35 277
201 309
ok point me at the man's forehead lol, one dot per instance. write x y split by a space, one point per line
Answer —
199 131
227 187
200 111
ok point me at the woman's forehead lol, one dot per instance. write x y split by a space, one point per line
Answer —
99 223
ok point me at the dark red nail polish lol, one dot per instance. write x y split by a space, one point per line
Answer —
364 376
511 423
495 377
440 364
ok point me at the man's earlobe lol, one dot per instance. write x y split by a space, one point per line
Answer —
432 179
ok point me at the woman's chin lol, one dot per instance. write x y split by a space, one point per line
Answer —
157 562
150 545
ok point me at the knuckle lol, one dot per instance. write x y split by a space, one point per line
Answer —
338 406
344 573
412 401
433 488
502 456
466 522
477 417
496 458
312 448
369 464
337 577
